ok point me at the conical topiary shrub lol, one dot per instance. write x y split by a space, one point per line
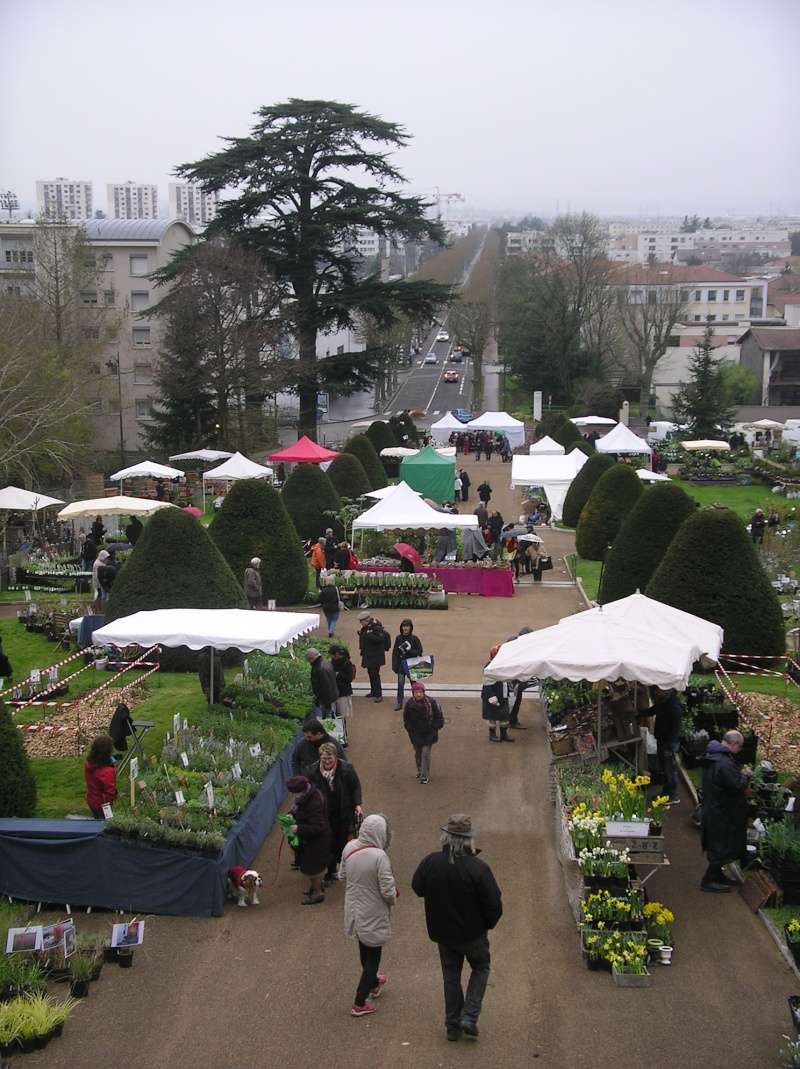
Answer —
348 476
582 485
360 446
175 565
253 522
568 435
381 435
609 503
17 785
712 569
643 539
307 495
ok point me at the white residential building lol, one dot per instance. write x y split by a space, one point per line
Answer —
189 202
662 244
622 227
131 200
65 198
672 370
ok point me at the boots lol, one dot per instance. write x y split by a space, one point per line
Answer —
493 735
504 736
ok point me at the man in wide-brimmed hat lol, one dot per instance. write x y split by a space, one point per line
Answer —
462 903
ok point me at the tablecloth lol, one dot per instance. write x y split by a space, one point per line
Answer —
489 582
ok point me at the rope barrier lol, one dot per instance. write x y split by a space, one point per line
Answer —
49 668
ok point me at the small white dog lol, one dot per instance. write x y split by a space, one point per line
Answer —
243 885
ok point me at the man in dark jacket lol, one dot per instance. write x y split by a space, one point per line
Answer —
483 515
466 482
462 903
338 783
323 684
485 492
374 643
724 812
668 712
306 752
406 645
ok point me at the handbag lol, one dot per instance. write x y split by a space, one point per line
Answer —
546 564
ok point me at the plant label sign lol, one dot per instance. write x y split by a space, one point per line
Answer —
108 812
255 749
237 771
179 799
210 795
134 767
185 724
184 759
36 675
176 723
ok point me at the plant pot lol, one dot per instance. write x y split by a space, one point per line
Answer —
40 1042
793 943
110 954
125 959
607 883
629 979
26 1045
79 988
654 949
665 955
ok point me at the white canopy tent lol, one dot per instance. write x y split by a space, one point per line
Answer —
706 445
218 629
397 452
119 505
148 469
592 649
238 467
658 429
652 476
207 455
622 440
592 421
385 491
13 499
546 446
514 429
444 427
767 425
553 473
405 510
654 618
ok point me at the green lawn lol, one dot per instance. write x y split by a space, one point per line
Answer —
744 500
589 574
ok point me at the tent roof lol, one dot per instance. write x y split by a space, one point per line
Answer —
16 500
593 421
494 421
700 445
397 451
119 505
304 451
621 439
768 425
652 476
448 422
428 455
203 454
538 470
656 619
404 509
385 491
148 468
596 648
546 446
223 629
238 467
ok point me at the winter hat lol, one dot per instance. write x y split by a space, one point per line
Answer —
364 616
418 685
255 561
312 653
459 824
296 784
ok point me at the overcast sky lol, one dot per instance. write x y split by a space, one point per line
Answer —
613 106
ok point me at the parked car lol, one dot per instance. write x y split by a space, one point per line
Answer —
443 336
431 358
450 376
463 415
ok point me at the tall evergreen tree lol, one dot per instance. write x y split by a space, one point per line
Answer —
582 485
348 476
308 494
298 205
17 785
702 402
360 446
613 497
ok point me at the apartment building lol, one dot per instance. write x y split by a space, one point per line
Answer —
521 242
132 200
121 379
672 370
710 296
623 227
16 257
671 245
189 202
65 198
773 353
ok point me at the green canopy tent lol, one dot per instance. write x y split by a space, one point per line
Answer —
433 475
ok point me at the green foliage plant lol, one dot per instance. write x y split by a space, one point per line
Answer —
360 446
307 494
17 783
613 497
582 485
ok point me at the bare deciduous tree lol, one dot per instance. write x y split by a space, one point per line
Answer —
648 317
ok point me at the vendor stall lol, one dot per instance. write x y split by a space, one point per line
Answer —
466 578
444 427
622 441
404 510
501 423
206 456
433 475
546 446
304 451
118 505
148 469
553 474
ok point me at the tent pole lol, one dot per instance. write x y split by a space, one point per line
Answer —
211 684
599 720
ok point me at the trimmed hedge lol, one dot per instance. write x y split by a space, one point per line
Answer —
307 494
17 785
253 522
582 485
568 435
360 446
613 497
643 539
382 436
348 476
712 569
175 565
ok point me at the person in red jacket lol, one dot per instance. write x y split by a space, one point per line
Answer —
100 775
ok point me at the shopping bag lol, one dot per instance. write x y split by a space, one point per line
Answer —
418 667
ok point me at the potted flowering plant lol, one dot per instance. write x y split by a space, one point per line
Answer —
623 798
629 965
656 812
658 921
586 826
603 866
604 910
792 932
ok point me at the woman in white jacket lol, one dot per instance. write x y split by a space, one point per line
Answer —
369 896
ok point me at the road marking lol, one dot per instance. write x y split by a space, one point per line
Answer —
436 413
461 387
435 388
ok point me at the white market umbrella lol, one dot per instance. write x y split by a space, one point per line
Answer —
14 499
148 469
119 505
767 425
706 445
658 620
398 451
652 476
208 455
592 421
